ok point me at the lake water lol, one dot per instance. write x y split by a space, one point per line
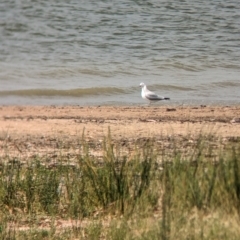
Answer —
97 52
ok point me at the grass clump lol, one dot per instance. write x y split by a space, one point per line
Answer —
142 194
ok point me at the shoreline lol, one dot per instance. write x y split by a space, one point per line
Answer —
48 120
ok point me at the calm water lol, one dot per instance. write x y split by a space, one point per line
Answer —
97 52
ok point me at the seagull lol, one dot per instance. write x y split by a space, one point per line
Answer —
150 96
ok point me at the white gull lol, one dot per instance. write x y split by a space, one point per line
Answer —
150 96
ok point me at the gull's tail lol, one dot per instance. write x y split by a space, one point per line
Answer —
166 98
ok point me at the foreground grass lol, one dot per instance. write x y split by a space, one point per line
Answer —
147 194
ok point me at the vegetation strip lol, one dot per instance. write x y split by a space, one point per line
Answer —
142 194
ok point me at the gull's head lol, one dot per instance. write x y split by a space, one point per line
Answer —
142 85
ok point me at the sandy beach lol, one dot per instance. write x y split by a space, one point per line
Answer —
39 129
54 133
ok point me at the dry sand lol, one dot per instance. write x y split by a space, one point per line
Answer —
36 129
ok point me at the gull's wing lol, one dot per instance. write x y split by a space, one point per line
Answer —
152 96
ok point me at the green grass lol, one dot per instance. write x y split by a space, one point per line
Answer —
143 194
